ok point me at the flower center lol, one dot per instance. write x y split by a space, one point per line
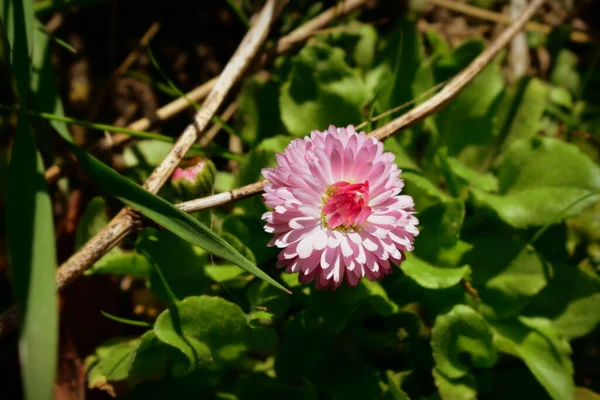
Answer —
346 205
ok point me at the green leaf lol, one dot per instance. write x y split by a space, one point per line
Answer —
223 273
432 277
205 329
181 263
117 366
29 221
507 273
400 60
455 389
424 192
531 193
30 233
259 110
571 300
540 346
461 330
526 111
119 262
165 214
466 124
146 153
321 90
484 181
439 227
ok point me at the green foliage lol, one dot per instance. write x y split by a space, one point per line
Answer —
505 188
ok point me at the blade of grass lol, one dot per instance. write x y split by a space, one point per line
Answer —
212 149
29 221
126 321
57 40
166 214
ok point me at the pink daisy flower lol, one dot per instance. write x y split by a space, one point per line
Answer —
337 211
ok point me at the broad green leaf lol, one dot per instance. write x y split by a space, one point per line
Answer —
455 389
541 347
424 192
439 227
484 181
400 60
571 300
223 273
536 206
205 329
118 366
432 277
526 111
120 262
181 263
259 110
165 214
146 153
29 219
321 90
507 274
248 229
461 330
526 165
466 124
532 192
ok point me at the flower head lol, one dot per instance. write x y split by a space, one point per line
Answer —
194 179
337 211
